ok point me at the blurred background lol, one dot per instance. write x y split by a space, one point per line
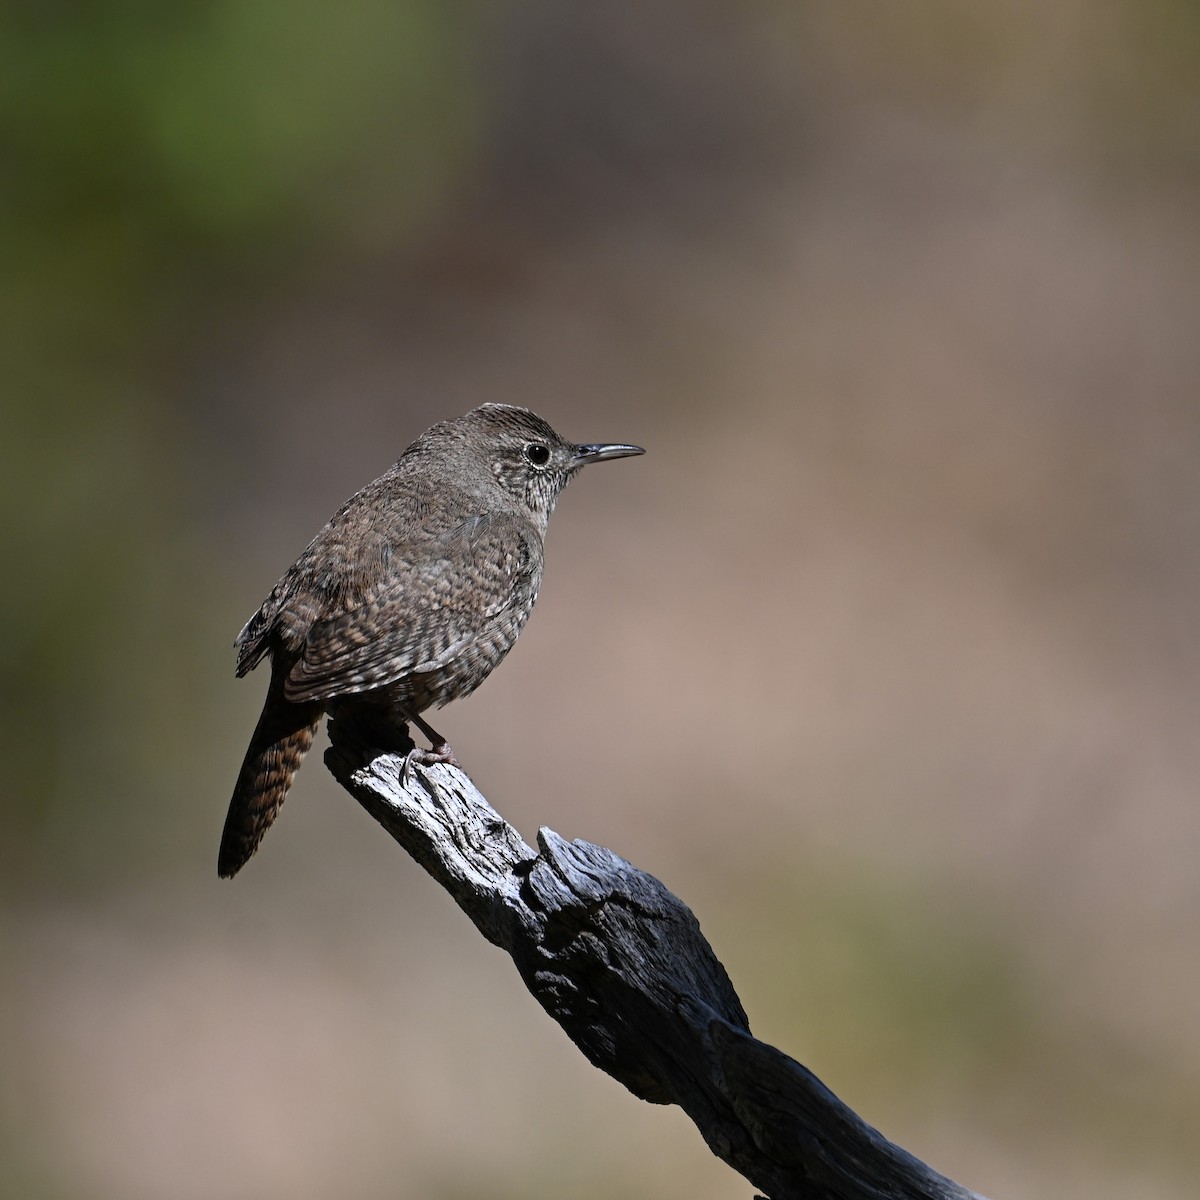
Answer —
884 658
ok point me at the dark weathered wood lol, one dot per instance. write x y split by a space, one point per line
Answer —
622 966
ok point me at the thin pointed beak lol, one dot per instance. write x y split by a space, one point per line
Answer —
598 453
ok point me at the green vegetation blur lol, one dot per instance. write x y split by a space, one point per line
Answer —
160 163
883 658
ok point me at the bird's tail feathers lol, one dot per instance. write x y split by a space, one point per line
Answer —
281 739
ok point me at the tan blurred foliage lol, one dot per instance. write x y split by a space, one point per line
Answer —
884 658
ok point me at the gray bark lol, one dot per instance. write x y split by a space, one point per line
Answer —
620 963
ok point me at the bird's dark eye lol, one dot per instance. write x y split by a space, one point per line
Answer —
537 453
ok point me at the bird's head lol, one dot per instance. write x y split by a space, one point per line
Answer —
528 459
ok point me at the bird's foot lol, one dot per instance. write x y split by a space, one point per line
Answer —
439 752
440 748
416 757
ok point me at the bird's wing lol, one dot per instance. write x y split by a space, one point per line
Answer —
419 614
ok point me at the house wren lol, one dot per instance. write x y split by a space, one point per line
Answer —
408 598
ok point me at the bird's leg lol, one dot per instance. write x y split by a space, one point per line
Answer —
440 751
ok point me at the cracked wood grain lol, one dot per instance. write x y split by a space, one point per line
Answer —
621 964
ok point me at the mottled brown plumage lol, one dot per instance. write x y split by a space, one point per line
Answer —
409 597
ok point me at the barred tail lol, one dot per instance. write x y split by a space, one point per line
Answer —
281 739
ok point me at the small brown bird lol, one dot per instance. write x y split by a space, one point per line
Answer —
408 598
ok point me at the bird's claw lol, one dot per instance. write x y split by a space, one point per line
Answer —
416 757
